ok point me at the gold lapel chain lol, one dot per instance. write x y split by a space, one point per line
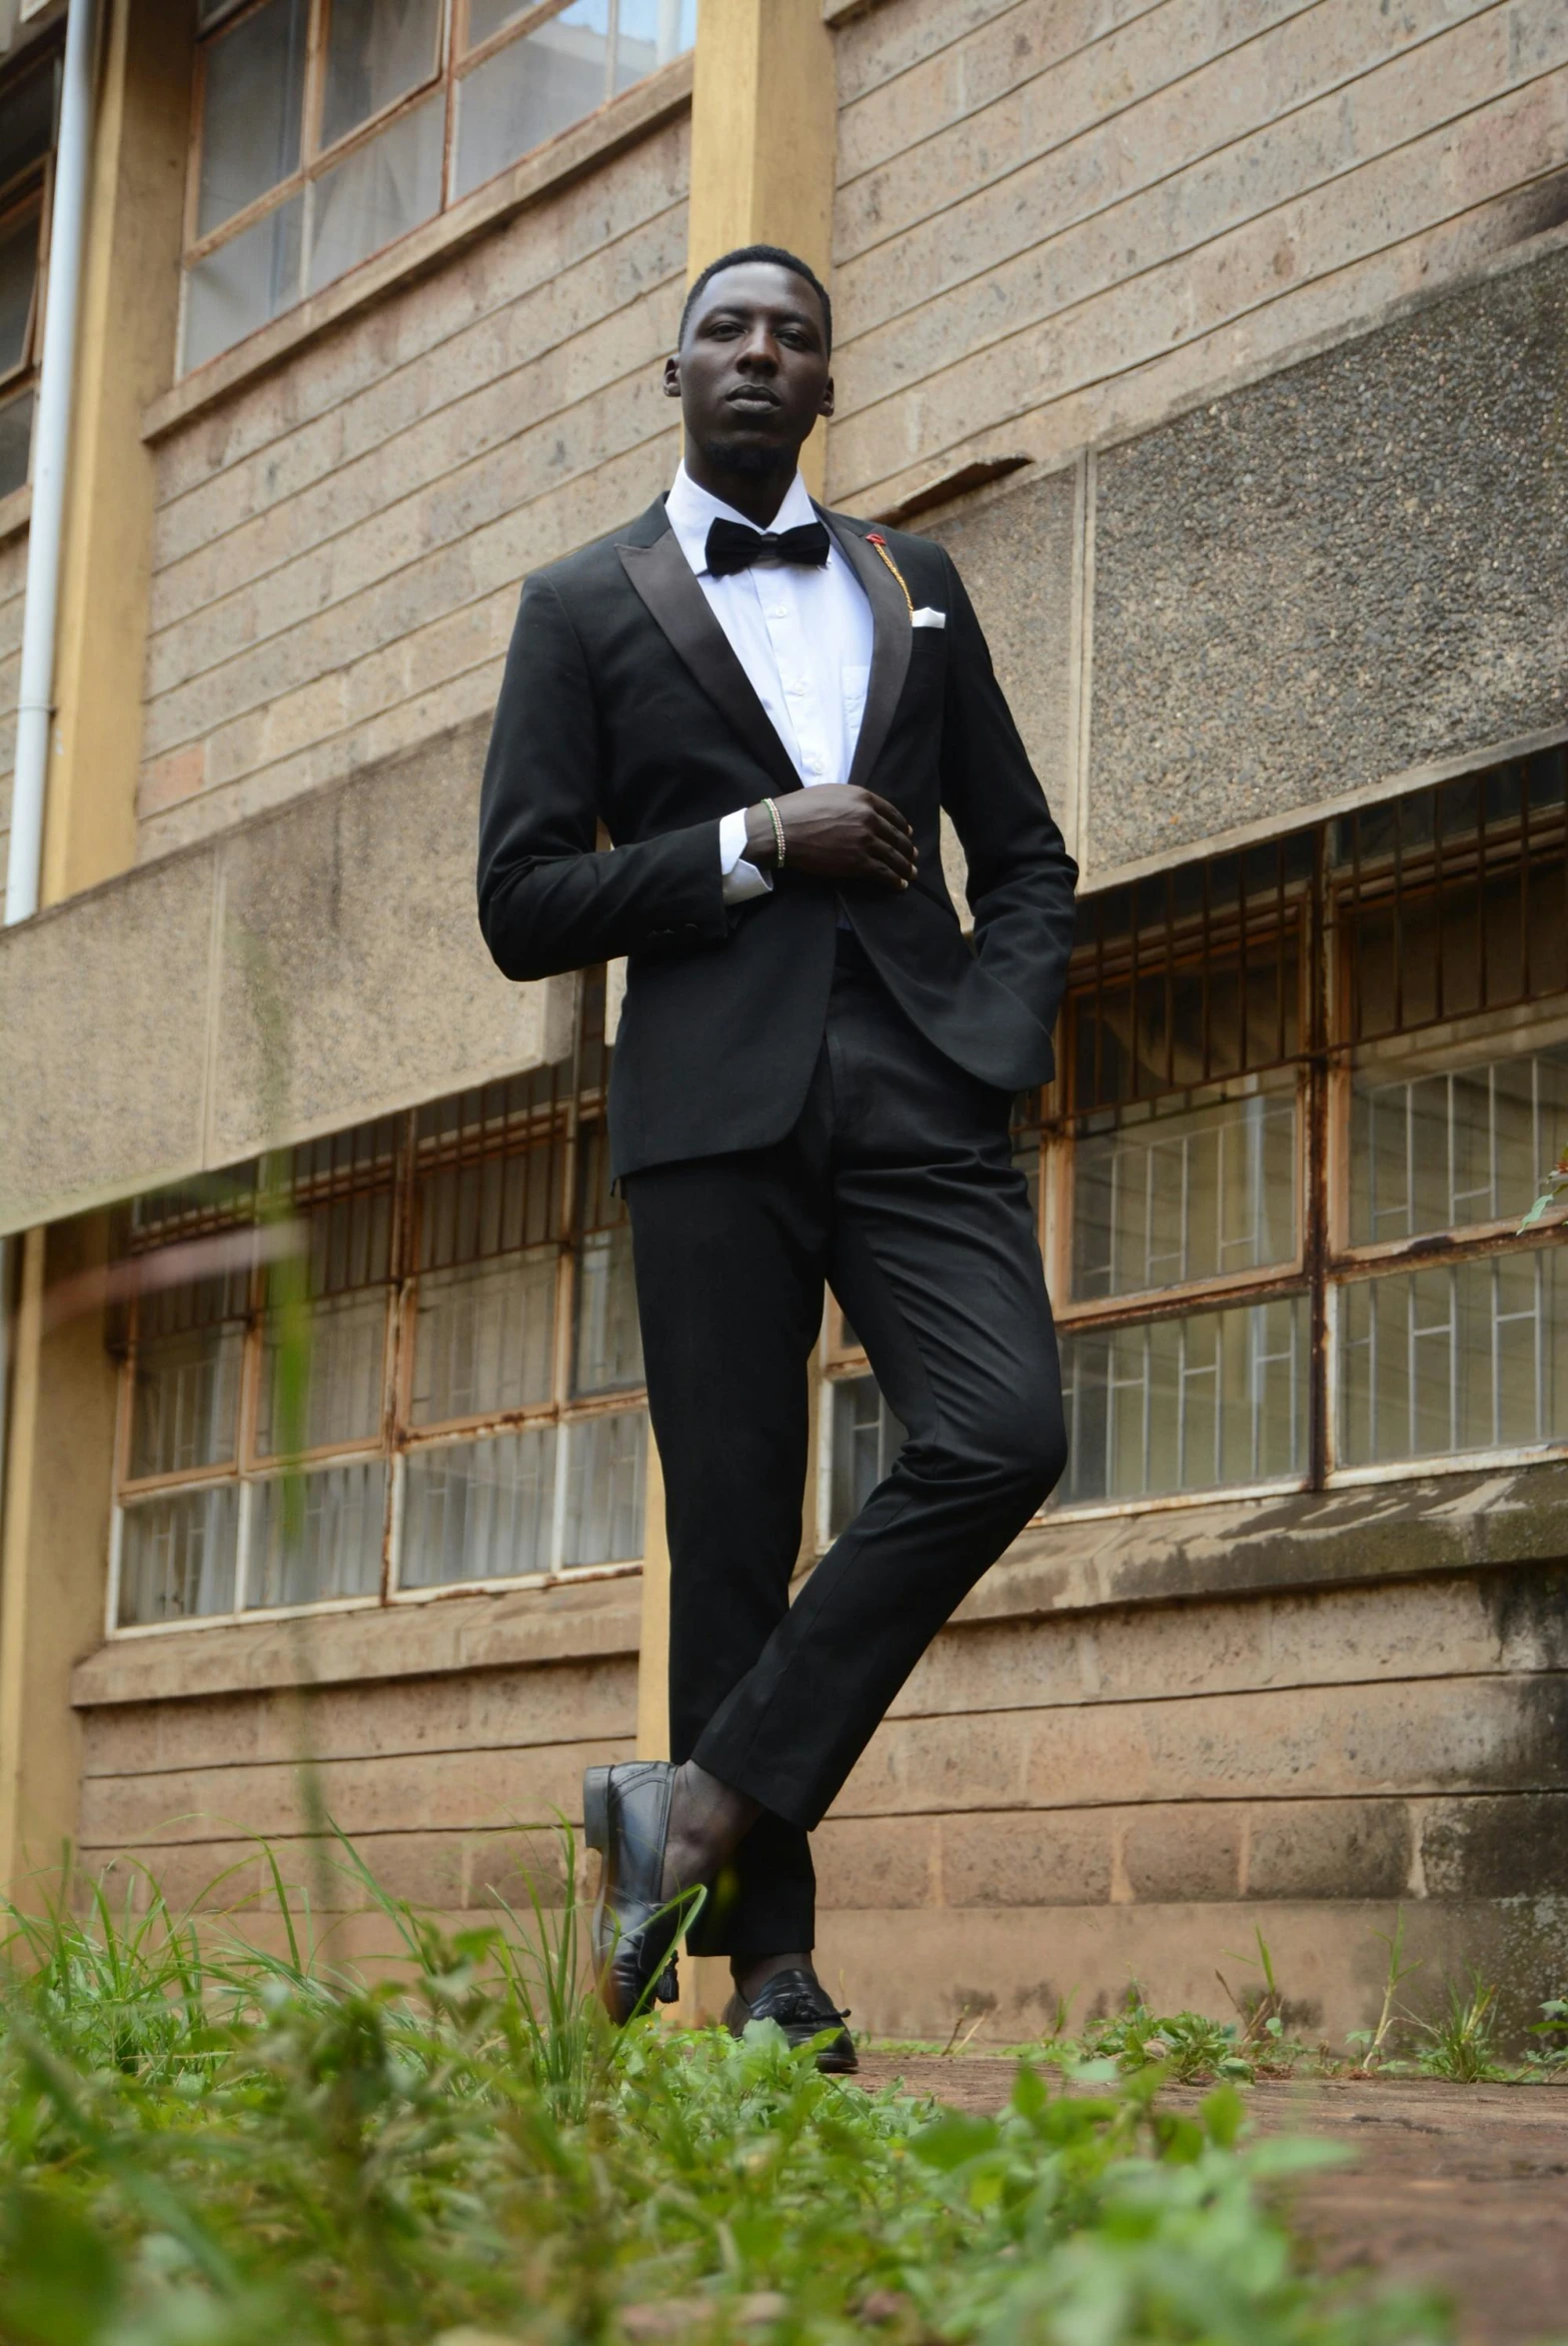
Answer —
874 538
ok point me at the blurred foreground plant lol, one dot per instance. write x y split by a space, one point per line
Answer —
209 2142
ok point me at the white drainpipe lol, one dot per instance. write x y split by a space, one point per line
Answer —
51 442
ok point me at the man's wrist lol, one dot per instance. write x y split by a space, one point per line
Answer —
761 844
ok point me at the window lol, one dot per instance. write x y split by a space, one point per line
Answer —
28 103
328 128
428 1374
1305 1095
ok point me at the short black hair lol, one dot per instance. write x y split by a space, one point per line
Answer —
780 260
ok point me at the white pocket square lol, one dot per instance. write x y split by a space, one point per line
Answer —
927 618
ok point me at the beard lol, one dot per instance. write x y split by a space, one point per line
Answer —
747 457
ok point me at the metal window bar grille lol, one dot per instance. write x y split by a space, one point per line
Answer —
510 1157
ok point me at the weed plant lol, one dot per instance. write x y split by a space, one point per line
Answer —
207 2143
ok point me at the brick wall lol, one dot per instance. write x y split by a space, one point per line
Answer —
1058 219
338 545
435 1735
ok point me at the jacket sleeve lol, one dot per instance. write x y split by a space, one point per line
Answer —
547 901
1021 876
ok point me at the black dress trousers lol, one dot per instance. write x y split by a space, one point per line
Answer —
897 1188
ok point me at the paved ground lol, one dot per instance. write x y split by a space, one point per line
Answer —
1464 2188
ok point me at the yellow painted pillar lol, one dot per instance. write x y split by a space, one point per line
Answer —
652 1660
764 142
55 1536
59 1488
124 359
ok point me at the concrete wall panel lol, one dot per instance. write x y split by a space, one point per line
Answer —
305 972
1017 552
1352 569
353 967
102 1042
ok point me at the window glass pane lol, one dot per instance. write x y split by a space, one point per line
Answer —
16 442
185 1400
649 34
18 274
26 121
485 1338
488 16
480 1510
866 1438
340 1362
177 1555
377 51
608 1337
1435 1150
1462 1356
1186 1404
378 193
1185 1022
251 88
1184 1193
1437 953
243 284
530 90
332 1549
603 1496
497 1206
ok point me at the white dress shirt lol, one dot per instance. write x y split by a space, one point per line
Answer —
803 637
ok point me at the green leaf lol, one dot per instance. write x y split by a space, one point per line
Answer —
953 2139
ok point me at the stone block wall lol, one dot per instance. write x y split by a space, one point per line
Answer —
1055 222
1139 1743
443 1739
337 549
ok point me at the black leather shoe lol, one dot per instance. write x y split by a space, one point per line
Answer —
625 1818
797 2002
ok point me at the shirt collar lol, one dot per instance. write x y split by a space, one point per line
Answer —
692 511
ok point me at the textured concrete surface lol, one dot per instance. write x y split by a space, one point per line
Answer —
1015 552
317 966
352 966
103 1062
1355 568
1453 2188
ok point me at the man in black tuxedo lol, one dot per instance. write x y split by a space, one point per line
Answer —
767 706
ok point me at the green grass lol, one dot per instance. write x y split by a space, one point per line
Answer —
204 2143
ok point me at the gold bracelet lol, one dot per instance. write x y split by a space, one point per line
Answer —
779 833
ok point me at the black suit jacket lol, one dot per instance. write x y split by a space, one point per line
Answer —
623 704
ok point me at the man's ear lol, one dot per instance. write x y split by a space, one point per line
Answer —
825 406
673 376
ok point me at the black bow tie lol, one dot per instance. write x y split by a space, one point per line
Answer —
732 546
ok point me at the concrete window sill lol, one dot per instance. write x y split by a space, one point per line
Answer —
1242 1548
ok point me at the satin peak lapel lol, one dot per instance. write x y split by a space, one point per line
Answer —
891 636
662 576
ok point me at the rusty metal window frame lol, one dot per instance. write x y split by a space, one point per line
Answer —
1411 859
30 189
215 1227
455 60
1497 839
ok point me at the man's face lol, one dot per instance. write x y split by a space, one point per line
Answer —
751 374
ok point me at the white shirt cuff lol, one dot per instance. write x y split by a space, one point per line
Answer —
742 880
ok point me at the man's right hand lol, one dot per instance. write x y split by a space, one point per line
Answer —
836 832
